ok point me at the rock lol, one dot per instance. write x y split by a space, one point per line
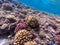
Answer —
5 42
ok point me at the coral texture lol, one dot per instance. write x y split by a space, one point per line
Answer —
22 36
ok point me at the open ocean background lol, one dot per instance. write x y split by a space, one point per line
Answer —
50 6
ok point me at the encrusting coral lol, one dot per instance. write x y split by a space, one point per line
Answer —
22 36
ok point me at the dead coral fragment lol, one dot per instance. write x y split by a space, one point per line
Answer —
32 21
7 6
22 36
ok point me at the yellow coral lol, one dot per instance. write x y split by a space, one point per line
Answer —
22 36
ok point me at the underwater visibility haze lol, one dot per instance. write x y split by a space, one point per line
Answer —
51 6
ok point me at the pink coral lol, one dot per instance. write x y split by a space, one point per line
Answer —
20 26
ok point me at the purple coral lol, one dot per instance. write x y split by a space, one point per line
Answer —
20 26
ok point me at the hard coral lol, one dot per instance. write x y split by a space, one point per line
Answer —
32 21
20 26
7 6
22 36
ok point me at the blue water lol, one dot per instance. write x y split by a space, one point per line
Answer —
51 6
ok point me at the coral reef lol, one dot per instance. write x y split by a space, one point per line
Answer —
26 26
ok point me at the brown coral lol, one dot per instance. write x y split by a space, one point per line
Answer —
32 21
22 36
